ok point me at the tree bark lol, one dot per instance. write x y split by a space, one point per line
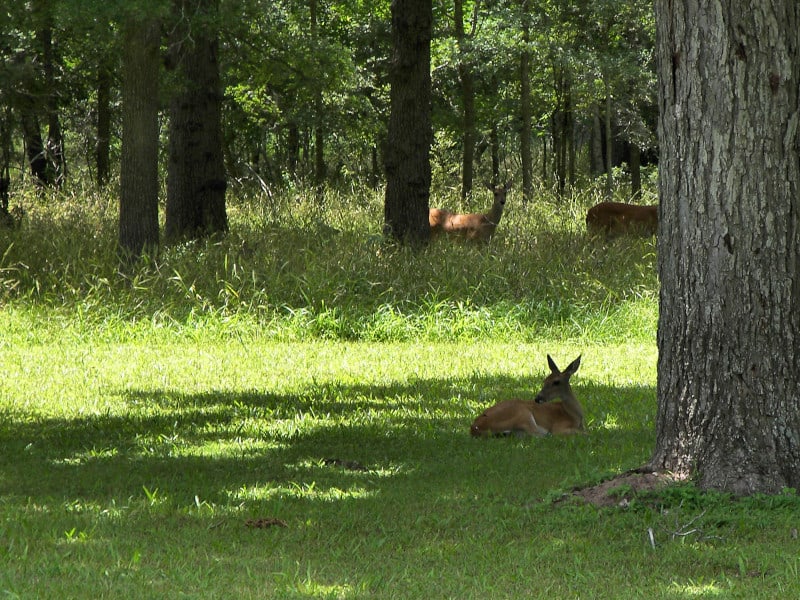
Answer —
635 168
138 206
729 243
596 164
196 180
525 107
467 98
103 142
609 144
408 168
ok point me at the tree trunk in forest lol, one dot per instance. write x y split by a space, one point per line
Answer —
32 137
292 148
409 137
494 142
103 142
196 179
320 170
635 168
596 164
609 146
526 154
467 98
562 126
138 205
54 147
729 243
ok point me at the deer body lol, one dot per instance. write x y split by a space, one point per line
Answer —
534 417
472 226
617 217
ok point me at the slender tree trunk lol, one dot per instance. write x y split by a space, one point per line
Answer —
570 138
526 154
494 142
196 180
320 170
467 98
597 164
54 147
635 167
138 206
609 146
408 168
103 143
32 137
729 243
292 148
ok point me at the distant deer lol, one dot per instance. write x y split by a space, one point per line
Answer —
473 226
614 218
532 416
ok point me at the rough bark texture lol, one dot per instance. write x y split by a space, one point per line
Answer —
728 372
138 206
408 168
196 179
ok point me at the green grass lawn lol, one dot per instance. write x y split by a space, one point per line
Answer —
150 423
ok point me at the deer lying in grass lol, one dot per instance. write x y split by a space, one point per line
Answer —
532 417
614 218
473 226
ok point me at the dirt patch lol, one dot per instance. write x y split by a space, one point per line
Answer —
620 490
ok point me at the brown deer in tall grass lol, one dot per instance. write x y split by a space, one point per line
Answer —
534 417
616 218
473 226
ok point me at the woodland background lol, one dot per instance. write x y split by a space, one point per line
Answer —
563 90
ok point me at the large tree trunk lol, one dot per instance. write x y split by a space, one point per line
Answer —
729 243
408 167
196 180
138 205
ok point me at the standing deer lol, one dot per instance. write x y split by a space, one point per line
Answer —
613 218
532 416
473 226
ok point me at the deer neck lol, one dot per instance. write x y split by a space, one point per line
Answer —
571 405
496 212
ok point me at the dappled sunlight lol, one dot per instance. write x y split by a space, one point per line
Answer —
698 590
299 491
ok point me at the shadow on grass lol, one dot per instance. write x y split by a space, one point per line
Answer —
400 437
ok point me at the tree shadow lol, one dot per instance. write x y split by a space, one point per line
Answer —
385 438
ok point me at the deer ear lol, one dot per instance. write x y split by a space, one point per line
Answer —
573 366
552 364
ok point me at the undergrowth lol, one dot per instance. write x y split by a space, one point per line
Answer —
295 266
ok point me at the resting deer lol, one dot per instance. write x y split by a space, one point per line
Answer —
473 226
614 218
532 416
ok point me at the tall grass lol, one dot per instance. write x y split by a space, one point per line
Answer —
299 267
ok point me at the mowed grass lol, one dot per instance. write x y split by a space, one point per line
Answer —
284 413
